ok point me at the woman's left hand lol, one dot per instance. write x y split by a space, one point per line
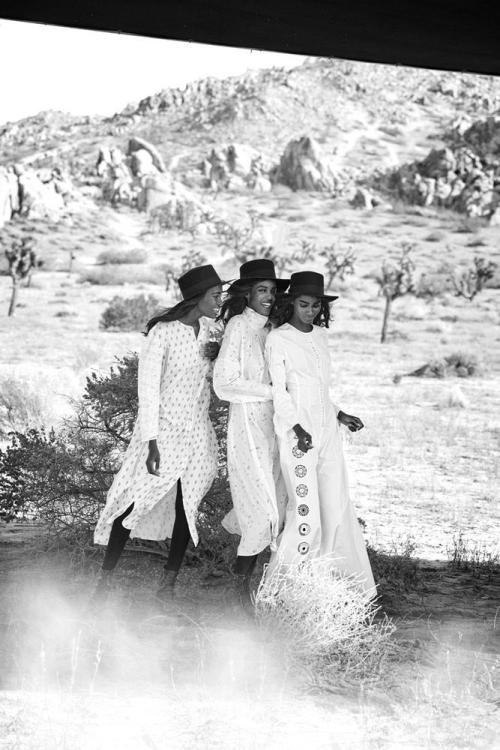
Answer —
210 350
353 423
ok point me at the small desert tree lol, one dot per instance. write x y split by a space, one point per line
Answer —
237 237
470 282
307 251
395 280
338 264
22 260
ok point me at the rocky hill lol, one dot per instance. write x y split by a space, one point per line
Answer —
326 125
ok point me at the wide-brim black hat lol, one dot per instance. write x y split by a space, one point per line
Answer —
197 281
260 269
311 283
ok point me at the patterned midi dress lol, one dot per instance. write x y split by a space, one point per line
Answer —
257 488
174 396
320 518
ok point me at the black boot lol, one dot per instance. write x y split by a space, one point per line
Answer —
166 590
243 593
103 588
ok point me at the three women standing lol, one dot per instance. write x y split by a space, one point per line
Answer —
241 377
320 518
171 460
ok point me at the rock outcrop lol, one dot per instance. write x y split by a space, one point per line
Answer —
236 166
34 194
464 176
304 167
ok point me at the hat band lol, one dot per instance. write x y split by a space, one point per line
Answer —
256 276
311 289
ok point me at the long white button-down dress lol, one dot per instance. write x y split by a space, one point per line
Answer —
174 396
320 517
257 488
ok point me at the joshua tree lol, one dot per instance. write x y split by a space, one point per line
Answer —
471 282
396 280
22 261
308 251
237 237
338 265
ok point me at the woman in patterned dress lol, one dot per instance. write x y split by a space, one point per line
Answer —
320 517
242 378
171 460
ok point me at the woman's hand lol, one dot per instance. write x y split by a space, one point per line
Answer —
153 459
210 350
353 423
304 439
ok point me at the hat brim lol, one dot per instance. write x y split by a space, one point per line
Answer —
281 284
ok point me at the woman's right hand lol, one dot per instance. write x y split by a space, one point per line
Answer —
304 439
153 459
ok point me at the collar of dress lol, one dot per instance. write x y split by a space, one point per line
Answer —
255 319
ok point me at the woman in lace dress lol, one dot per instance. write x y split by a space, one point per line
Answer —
171 460
320 517
242 378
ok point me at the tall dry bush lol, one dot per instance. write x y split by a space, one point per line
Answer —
61 479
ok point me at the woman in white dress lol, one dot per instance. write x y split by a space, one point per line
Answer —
171 460
242 378
320 518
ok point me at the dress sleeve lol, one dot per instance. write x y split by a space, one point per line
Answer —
151 360
285 414
229 381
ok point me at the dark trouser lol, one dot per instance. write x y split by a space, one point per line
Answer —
245 565
180 537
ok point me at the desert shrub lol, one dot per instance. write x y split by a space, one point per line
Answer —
116 257
112 275
431 285
327 626
61 479
470 557
470 225
129 313
435 236
470 282
461 364
21 407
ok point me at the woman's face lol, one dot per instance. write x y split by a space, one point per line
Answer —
306 308
262 296
209 304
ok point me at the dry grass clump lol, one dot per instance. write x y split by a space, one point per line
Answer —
469 556
117 257
326 623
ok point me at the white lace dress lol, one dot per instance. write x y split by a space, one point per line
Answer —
320 517
174 396
257 488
